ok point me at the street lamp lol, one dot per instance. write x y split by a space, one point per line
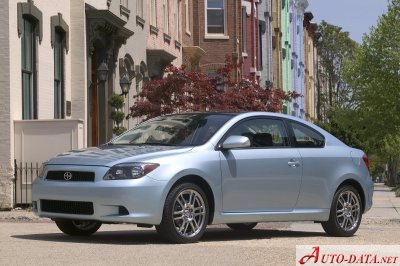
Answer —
102 72
125 84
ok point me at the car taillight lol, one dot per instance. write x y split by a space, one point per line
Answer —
366 161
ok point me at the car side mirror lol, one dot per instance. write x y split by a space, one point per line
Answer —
233 142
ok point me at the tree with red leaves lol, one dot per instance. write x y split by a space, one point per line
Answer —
185 90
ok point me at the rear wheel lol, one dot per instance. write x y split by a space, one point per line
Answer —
78 227
185 214
242 226
346 213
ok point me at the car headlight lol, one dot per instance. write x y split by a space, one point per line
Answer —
129 171
42 170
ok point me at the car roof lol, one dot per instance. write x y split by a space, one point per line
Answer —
329 138
237 116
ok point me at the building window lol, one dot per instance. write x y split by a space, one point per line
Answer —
215 18
153 13
187 17
139 8
59 46
29 75
177 19
166 16
244 30
59 42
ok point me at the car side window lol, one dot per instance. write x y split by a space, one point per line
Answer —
306 137
262 132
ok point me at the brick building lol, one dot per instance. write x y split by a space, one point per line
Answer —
250 41
217 30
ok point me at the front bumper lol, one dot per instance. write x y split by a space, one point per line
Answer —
143 198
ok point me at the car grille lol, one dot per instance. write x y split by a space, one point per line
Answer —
70 176
70 207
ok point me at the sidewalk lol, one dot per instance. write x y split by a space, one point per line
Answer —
385 209
385 204
20 215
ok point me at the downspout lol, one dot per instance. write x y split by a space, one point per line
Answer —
257 41
253 35
235 39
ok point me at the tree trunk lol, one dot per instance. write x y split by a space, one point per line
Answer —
330 90
392 171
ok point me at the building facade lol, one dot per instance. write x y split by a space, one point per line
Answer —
297 9
309 67
164 41
277 43
250 41
265 42
217 30
191 51
66 59
286 53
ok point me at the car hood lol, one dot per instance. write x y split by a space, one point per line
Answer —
109 154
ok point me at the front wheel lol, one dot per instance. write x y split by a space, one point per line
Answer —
242 226
346 212
185 214
78 227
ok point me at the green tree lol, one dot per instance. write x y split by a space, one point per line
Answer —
334 47
334 102
374 75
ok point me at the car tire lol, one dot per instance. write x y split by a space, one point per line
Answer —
242 226
345 214
185 214
78 227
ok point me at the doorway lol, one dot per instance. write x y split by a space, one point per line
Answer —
98 110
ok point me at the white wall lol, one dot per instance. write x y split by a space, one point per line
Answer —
6 170
10 81
77 53
37 141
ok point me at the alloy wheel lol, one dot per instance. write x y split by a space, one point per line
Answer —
348 210
189 212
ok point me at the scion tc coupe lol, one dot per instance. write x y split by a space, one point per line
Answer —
183 172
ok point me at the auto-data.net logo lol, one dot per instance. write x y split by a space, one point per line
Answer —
348 255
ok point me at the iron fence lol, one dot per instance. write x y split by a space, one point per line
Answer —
24 174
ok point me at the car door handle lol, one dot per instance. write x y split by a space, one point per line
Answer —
293 163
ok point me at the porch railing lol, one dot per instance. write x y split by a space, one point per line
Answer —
24 174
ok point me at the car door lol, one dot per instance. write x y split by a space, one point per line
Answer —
265 176
322 164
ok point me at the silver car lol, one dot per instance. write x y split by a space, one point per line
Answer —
183 172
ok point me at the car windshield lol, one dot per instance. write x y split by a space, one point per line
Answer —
175 130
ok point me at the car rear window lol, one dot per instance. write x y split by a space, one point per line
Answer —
306 137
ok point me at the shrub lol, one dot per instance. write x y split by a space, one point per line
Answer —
397 192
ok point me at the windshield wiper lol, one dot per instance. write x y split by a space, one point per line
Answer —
157 144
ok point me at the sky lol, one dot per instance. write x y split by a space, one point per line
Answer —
354 16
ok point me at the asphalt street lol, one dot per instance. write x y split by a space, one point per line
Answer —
28 241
